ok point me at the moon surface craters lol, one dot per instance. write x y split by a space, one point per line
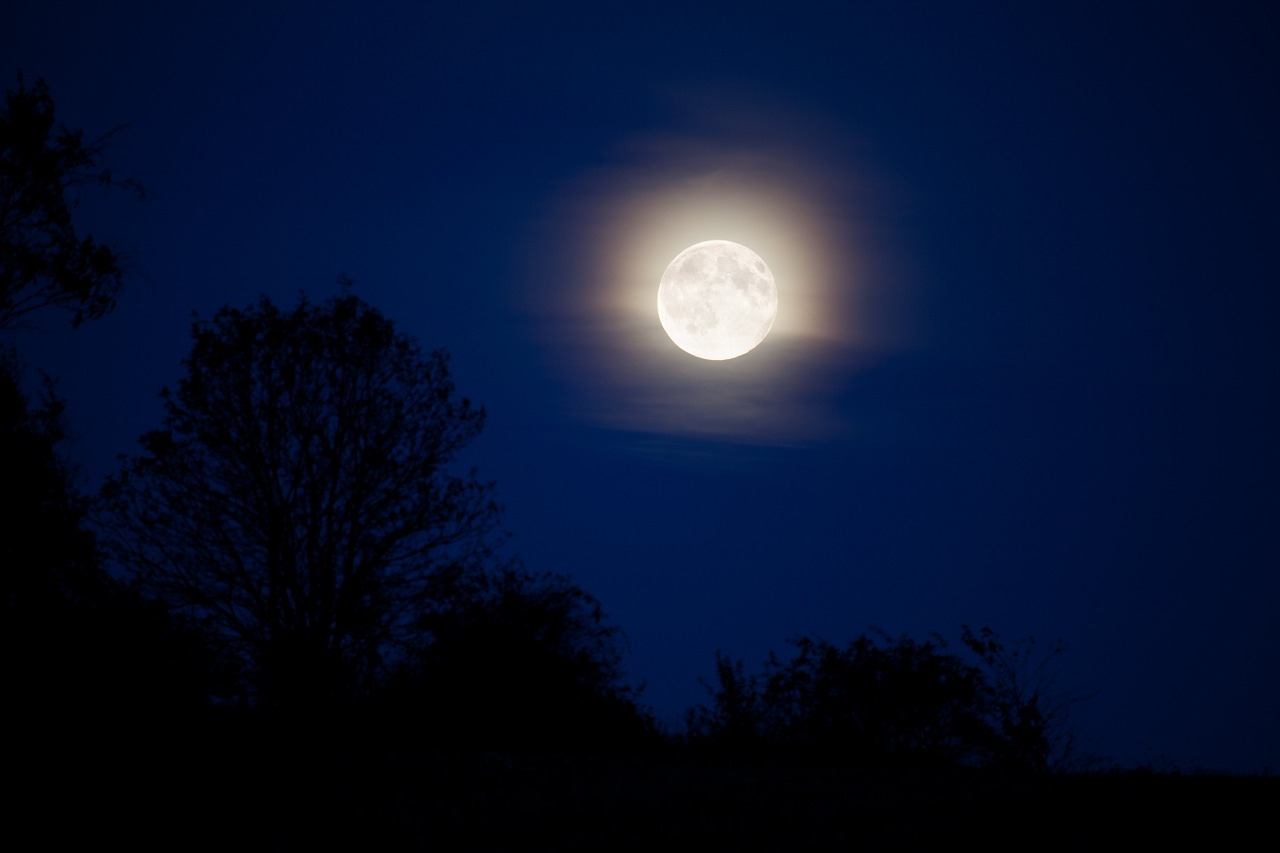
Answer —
717 300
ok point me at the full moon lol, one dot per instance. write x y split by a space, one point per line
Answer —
717 300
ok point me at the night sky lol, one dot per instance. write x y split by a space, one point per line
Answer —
1025 367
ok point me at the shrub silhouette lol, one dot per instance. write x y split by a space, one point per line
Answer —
881 700
736 717
1026 710
523 661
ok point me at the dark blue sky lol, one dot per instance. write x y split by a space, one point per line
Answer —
1026 368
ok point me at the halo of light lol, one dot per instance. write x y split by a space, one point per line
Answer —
595 253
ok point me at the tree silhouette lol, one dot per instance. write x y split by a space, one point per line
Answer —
522 661
43 261
889 701
72 636
298 498
47 555
897 701
1024 705
736 716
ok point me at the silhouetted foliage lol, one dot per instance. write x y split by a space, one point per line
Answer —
895 701
737 715
891 701
43 261
521 661
1025 706
77 646
46 553
298 499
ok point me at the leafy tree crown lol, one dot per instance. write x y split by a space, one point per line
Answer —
299 496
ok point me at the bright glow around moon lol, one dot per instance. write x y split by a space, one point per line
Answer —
800 194
717 300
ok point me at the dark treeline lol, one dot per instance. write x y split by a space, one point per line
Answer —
881 701
294 612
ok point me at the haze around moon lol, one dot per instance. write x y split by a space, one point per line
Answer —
717 300
804 195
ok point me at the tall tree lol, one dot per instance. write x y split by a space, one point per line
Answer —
43 260
45 552
70 634
299 496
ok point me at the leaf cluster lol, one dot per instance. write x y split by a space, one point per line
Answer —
43 260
